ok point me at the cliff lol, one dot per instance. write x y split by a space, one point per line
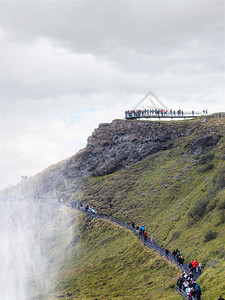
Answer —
122 143
118 145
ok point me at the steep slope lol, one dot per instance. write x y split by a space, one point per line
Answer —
174 193
109 262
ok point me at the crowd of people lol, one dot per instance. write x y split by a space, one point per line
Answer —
195 266
178 257
190 288
142 231
186 283
129 114
86 208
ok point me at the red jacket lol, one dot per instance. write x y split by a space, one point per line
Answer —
195 264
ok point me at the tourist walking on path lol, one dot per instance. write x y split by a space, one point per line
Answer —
192 293
137 229
151 240
179 282
195 265
200 268
185 285
145 235
198 293
191 266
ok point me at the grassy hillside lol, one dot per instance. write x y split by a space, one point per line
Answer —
179 195
109 262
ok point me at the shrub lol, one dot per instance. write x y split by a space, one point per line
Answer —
222 254
210 235
221 204
199 208
222 156
211 205
205 158
211 189
204 169
219 178
222 217
212 263
191 221
217 182
175 235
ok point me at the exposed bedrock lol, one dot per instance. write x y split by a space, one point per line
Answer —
121 143
117 145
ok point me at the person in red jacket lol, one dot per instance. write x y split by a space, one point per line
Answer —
192 262
145 235
192 293
195 265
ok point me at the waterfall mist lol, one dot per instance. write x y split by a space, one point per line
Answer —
33 238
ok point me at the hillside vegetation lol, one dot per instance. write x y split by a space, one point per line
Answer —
179 194
109 262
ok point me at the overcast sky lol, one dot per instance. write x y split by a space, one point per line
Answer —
67 66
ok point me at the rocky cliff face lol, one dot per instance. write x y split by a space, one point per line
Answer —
118 145
121 143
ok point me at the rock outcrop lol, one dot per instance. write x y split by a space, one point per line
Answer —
117 145
121 143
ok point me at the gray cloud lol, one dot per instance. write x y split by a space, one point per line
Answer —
100 27
66 62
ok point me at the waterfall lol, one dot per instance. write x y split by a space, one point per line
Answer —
29 234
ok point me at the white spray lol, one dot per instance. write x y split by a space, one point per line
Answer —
28 235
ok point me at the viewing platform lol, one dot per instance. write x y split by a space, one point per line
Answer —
161 114
158 110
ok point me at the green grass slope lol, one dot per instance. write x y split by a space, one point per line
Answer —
109 262
179 194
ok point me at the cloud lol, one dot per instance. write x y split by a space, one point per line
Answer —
100 27
46 69
67 66
41 144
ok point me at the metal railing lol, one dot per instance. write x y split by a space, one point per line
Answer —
146 114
